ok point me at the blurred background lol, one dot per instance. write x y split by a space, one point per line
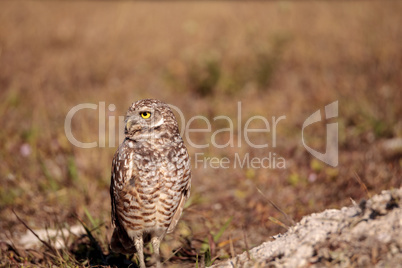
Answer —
276 58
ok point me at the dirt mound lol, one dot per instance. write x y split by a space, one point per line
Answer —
368 234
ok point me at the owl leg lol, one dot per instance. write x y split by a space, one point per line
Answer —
139 245
156 242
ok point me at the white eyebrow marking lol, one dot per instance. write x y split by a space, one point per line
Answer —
160 122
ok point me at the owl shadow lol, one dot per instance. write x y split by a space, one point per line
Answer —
91 248
87 248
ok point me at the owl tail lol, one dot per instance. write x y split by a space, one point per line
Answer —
121 243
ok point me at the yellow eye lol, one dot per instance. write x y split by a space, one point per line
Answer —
145 115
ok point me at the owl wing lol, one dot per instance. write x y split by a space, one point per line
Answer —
121 174
114 180
185 194
120 241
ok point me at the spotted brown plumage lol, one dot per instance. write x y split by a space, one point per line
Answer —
150 179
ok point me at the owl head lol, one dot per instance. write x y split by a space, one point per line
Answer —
150 119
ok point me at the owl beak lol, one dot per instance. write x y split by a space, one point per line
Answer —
132 125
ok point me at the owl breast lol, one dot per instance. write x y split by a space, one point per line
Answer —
151 184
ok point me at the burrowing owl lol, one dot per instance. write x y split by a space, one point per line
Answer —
150 179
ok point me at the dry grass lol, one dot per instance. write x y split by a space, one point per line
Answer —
286 58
